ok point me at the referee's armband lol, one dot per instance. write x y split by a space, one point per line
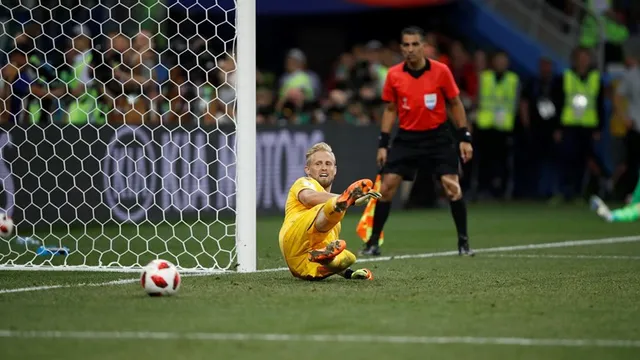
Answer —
464 135
383 140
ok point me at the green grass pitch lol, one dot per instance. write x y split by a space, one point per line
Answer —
565 302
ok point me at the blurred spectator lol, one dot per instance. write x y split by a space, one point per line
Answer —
132 86
226 91
357 115
205 77
628 93
600 7
540 113
27 96
362 74
378 71
618 130
177 91
464 73
472 78
480 60
337 105
145 74
616 33
296 89
394 49
342 74
433 49
80 104
41 102
265 97
265 106
9 105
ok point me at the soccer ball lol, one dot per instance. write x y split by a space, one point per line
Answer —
160 278
6 226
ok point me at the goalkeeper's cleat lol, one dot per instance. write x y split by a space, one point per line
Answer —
362 274
601 208
327 253
463 247
355 191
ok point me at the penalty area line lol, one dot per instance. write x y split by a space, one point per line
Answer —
344 338
562 244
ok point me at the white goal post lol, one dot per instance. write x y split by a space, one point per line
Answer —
128 133
246 169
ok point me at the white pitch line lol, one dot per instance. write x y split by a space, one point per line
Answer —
344 338
51 287
561 244
557 256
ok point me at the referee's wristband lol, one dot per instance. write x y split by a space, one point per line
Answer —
464 135
383 140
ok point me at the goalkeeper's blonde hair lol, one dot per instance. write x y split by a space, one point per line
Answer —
321 146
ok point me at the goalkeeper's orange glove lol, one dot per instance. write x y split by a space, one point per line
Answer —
364 199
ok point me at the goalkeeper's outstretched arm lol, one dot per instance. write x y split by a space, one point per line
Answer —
311 198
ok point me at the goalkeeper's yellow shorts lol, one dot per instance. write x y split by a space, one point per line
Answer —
298 237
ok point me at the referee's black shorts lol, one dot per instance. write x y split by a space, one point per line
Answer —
434 150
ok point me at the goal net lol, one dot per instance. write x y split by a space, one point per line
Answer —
119 125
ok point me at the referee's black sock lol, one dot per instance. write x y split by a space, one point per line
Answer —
379 218
459 212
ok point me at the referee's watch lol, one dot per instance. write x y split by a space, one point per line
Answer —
464 135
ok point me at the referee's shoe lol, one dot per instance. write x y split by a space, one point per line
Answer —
463 247
370 250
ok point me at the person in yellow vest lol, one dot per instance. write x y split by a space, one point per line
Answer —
581 121
495 121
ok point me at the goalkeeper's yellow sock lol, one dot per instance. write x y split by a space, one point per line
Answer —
330 218
341 264
342 261
330 213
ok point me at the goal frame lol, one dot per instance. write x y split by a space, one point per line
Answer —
246 239
245 156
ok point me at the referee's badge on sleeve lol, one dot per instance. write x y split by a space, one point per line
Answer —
430 101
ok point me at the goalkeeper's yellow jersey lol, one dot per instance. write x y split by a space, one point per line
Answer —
297 234
294 207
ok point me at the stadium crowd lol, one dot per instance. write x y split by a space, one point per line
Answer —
113 78
117 79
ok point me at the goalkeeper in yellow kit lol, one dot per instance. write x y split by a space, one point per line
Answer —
309 235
